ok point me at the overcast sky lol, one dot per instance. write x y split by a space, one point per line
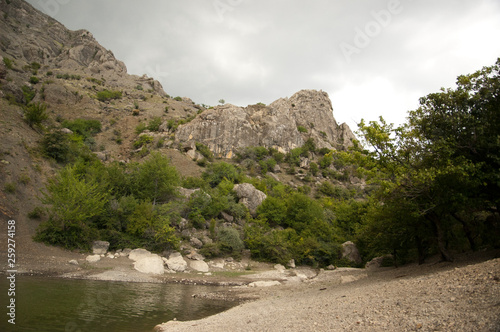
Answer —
373 57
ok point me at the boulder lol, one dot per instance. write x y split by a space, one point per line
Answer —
195 256
73 262
176 262
377 261
227 217
264 283
199 266
93 258
196 242
100 247
152 264
351 252
249 196
138 254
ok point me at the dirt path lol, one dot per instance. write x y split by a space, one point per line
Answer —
464 296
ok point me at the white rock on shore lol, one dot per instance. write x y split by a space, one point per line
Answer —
93 258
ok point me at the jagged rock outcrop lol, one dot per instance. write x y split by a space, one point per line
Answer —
49 43
285 124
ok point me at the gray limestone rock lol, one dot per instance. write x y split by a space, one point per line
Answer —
100 247
350 252
249 196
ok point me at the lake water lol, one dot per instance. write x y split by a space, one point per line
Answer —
53 305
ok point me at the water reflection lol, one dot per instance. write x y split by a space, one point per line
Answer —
47 304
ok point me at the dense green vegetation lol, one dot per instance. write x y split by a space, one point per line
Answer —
429 186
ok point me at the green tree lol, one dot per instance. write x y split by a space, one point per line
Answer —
35 114
74 205
217 172
155 179
443 163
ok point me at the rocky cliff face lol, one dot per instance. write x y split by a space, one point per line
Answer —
285 124
28 36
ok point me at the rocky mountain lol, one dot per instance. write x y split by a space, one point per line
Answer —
55 84
67 69
285 124
70 72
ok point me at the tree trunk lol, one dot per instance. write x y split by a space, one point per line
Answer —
445 254
420 250
467 231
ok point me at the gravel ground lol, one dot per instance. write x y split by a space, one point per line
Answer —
463 296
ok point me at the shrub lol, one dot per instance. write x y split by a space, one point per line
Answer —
34 114
141 127
9 188
328 189
28 94
155 179
293 157
36 213
143 140
8 63
215 173
302 129
34 80
106 95
313 167
230 241
75 205
178 98
154 124
56 145
83 127
326 161
204 151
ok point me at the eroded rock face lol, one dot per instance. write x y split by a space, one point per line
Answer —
285 124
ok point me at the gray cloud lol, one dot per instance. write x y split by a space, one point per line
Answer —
257 51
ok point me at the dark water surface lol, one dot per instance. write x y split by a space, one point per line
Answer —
53 305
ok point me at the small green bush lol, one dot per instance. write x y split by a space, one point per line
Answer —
302 129
36 213
34 114
154 124
83 127
217 172
8 63
34 80
106 95
28 94
143 140
204 151
10 188
56 145
140 128
230 241
178 98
